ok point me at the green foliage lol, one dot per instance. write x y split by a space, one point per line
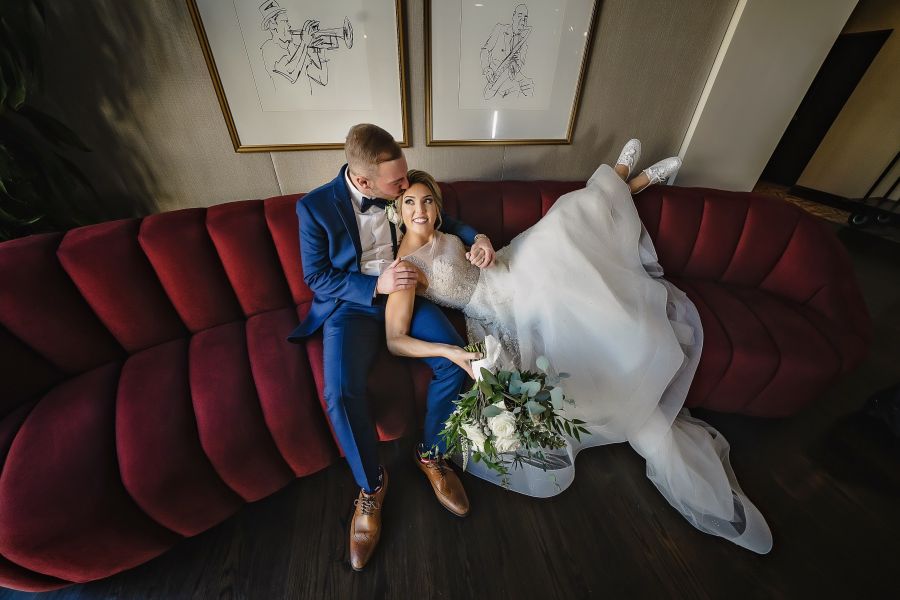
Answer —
39 187
527 396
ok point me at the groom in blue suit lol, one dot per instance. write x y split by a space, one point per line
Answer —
348 248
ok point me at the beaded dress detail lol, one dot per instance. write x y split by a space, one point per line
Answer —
454 282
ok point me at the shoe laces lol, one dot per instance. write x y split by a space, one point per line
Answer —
440 465
367 503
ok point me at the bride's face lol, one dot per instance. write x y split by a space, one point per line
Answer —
418 209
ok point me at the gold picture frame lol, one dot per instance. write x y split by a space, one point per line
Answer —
469 85
371 85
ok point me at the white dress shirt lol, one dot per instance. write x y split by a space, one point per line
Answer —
374 233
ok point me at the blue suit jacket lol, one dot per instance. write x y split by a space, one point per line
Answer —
331 252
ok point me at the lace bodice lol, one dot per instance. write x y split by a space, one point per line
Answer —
451 278
482 295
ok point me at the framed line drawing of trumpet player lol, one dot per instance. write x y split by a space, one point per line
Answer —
297 74
505 71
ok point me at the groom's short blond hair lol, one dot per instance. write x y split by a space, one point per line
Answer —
368 146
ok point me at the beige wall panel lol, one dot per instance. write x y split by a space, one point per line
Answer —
649 63
131 79
865 136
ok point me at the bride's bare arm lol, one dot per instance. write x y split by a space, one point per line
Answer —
397 318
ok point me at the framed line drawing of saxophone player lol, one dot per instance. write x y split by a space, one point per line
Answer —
505 71
297 74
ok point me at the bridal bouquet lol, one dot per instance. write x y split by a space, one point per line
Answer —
510 417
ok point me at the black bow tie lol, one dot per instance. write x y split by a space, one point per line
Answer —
368 203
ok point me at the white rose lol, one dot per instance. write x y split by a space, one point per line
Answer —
504 424
475 435
507 443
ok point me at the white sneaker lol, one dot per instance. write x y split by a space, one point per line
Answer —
661 171
630 155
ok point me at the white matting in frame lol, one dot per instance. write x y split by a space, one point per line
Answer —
297 74
505 71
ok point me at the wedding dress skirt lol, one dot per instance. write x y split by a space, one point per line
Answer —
583 287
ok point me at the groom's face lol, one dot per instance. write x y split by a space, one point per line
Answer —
390 179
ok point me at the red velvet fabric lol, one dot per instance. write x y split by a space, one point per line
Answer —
232 427
113 274
287 393
17 358
243 240
63 509
14 576
282 221
147 389
40 306
178 246
162 462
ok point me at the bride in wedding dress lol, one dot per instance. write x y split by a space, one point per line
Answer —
583 287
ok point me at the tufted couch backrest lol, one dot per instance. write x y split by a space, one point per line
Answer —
70 303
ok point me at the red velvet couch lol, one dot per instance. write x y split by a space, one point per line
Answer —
147 390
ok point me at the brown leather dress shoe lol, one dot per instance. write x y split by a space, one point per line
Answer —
365 527
447 486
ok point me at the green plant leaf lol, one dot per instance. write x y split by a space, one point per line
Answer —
542 363
53 130
490 411
489 377
17 91
16 220
542 396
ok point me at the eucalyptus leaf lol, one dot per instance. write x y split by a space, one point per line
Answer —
542 396
534 408
531 388
542 363
490 411
556 398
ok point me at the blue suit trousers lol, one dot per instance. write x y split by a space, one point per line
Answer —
352 336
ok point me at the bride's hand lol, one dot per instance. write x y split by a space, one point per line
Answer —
481 254
463 359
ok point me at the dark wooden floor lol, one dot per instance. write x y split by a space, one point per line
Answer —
828 481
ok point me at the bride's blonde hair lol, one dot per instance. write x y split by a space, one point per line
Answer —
415 176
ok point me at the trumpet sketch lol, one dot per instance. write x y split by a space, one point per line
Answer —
291 54
503 58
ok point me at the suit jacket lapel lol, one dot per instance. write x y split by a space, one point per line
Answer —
344 207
